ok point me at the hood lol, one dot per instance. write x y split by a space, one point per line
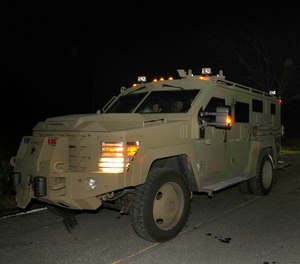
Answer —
93 122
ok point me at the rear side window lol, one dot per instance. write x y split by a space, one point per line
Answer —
241 112
257 106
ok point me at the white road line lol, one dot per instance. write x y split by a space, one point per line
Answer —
24 213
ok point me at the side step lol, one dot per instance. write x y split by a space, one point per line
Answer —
221 185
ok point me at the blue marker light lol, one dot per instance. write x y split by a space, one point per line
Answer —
26 140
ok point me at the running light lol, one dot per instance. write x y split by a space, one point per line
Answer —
228 120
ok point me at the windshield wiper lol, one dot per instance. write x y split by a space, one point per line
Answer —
141 88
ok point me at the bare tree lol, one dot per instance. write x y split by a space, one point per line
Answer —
263 57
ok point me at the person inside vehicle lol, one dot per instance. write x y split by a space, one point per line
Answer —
156 108
178 106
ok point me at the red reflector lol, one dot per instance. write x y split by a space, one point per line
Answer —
52 141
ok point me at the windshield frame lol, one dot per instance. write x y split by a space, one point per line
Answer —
154 101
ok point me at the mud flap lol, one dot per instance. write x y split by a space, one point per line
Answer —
24 193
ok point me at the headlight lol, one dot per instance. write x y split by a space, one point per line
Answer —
115 157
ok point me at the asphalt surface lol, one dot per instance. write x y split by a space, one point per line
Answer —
229 228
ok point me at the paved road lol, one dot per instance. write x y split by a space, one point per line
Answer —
228 228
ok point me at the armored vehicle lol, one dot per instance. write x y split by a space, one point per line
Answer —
151 148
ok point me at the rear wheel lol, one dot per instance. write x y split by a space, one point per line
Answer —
161 206
263 182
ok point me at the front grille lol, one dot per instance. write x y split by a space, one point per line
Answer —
78 153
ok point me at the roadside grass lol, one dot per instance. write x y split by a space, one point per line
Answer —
8 203
289 151
7 197
290 146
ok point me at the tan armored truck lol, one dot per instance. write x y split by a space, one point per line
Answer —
150 148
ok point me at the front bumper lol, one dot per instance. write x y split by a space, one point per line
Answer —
70 190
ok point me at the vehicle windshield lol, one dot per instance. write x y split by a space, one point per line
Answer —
126 103
178 101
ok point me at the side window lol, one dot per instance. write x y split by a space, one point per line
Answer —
241 112
212 107
257 106
213 103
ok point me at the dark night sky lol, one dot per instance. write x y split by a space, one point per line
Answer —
68 58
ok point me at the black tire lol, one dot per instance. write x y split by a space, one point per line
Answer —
62 212
161 206
263 182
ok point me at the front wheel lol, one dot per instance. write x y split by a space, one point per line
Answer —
161 206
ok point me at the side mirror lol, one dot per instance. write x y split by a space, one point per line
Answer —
221 118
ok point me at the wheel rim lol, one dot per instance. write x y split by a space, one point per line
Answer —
168 205
267 174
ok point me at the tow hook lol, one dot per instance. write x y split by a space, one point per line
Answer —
15 180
